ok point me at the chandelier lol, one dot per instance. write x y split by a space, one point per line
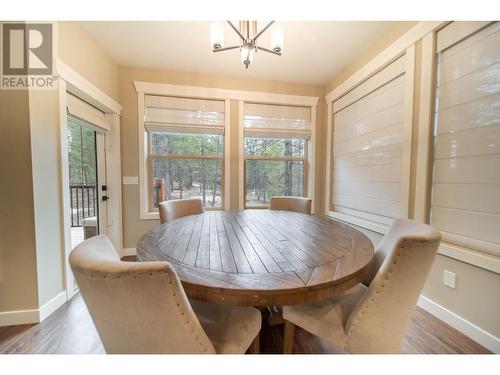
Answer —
248 34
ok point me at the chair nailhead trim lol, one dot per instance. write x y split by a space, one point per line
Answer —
364 309
205 349
200 342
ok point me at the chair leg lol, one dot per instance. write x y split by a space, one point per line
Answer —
255 346
288 340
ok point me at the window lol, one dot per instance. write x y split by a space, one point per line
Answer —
370 149
185 149
276 150
466 167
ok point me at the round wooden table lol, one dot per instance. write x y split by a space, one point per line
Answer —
260 257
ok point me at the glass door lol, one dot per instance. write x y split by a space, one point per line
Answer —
87 180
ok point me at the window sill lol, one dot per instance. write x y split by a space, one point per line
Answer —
155 215
151 215
359 221
475 258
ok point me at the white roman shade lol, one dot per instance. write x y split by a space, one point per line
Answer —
369 131
163 113
276 120
466 175
84 111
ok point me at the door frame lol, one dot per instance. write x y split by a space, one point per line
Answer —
102 205
71 82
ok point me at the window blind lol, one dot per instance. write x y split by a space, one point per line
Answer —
184 114
267 119
466 171
368 131
82 110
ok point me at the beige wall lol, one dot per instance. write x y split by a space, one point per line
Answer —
18 273
31 252
133 227
476 297
392 33
78 50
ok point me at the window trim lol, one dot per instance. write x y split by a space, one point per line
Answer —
147 212
309 163
151 88
366 220
427 33
431 45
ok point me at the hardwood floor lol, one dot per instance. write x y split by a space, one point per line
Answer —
70 330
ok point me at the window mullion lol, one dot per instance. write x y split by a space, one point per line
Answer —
187 156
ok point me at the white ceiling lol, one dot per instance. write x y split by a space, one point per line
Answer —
314 52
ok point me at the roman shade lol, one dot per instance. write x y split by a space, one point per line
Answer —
79 109
369 131
466 168
162 113
268 120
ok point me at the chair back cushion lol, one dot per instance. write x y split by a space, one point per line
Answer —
379 322
296 204
172 209
137 307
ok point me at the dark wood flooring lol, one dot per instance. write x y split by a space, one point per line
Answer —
70 330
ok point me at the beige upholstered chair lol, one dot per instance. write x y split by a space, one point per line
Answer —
140 307
172 209
296 204
374 319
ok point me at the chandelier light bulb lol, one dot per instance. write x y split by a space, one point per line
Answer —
246 52
277 39
217 35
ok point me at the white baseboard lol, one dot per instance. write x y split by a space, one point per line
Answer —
52 305
11 318
470 330
130 251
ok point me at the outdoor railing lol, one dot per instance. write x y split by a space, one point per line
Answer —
83 200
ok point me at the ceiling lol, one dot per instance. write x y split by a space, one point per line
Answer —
314 52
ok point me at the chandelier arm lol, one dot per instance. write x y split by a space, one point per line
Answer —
262 31
236 30
225 48
268 50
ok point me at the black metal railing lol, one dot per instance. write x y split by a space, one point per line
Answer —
83 200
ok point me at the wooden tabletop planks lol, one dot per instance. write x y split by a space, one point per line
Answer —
260 257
